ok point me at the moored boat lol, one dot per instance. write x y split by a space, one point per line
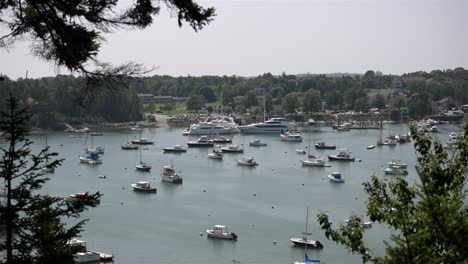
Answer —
246 161
203 141
342 155
291 137
257 143
232 149
221 231
168 174
323 145
216 154
336 177
143 186
176 148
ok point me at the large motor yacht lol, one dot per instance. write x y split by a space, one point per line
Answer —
208 128
272 126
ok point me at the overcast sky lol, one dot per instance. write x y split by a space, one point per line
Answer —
251 37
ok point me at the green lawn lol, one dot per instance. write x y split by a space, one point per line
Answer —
181 108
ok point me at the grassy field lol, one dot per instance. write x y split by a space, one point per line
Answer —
181 108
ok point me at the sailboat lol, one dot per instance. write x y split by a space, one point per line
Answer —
129 145
95 149
312 160
304 241
47 168
141 166
246 160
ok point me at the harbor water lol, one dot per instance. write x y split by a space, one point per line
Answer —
265 206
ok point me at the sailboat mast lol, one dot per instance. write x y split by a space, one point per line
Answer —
47 156
264 106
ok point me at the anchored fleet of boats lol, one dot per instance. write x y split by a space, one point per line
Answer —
210 131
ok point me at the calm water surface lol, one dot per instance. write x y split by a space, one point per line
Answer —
165 227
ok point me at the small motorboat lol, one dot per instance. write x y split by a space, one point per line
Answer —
395 171
143 186
370 147
397 164
313 162
142 141
77 196
291 137
222 140
216 154
168 174
336 177
246 161
301 151
175 149
257 143
342 155
220 231
96 134
203 141
129 146
323 145
232 149
365 224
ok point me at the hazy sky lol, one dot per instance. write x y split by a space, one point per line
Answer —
251 37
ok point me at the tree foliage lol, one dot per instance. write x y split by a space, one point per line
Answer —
290 103
34 229
195 102
311 102
70 33
428 219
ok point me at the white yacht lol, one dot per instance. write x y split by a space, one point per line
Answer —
203 141
208 128
272 126
220 231
397 164
216 154
291 136
168 174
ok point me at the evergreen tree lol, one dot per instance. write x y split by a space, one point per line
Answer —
34 229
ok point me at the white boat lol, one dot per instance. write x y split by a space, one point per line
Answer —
93 148
246 161
301 151
168 174
272 126
135 128
395 171
142 141
221 231
304 241
216 154
291 136
91 158
313 162
336 177
257 143
176 148
82 255
203 141
370 147
143 186
342 155
77 196
222 139
208 128
323 145
433 129
397 164
365 224
232 149
129 146
386 142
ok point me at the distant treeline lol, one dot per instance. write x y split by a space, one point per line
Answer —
53 99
